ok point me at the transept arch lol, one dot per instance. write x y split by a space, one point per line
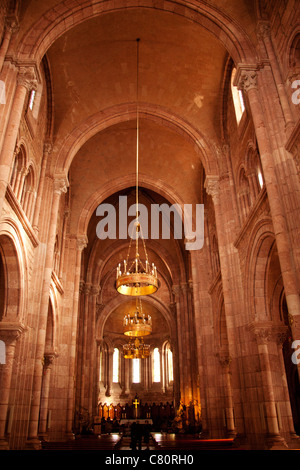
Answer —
60 19
127 112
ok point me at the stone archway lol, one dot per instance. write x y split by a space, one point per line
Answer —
60 19
11 326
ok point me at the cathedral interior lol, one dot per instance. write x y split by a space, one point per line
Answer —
106 106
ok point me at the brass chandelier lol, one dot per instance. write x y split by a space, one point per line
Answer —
137 324
136 277
136 349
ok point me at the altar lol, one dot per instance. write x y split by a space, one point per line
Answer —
138 420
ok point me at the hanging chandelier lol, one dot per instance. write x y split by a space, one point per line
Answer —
136 277
137 323
136 349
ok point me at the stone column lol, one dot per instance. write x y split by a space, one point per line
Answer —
263 334
9 333
11 27
92 347
40 192
110 372
84 368
127 378
225 363
48 361
81 243
280 339
26 81
183 332
264 33
247 80
33 441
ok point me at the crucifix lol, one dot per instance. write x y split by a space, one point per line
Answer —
136 403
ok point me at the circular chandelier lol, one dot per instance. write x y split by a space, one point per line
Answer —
137 277
136 349
137 324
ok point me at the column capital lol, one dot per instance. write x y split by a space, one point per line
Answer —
27 77
262 331
95 290
12 24
246 77
212 187
49 359
263 29
82 242
48 147
11 331
60 184
224 359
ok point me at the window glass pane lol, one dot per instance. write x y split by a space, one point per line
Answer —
156 365
260 179
170 365
116 365
238 99
32 96
136 371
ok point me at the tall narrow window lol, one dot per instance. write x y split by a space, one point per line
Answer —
116 365
156 365
260 178
136 371
238 99
100 367
170 365
31 100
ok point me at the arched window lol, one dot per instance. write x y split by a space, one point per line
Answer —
28 193
244 193
2 92
136 371
156 365
17 175
170 364
31 99
2 353
116 356
238 100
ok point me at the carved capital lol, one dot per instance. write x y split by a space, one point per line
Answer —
95 290
10 332
27 78
60 185
82 242
48 147
263 29
248 80
212 187
49 359
262 331
224 359
12 24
